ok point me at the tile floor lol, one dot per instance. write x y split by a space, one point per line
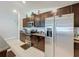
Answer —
31 52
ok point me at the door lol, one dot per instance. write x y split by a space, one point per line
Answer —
64 38
49 24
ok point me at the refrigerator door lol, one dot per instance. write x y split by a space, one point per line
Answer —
49 24
64 39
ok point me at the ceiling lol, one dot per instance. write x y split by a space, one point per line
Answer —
47 4
44 6
34 6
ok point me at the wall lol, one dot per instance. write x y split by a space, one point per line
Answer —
8 19
8 24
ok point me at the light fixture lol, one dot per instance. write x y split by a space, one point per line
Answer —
14 11
24 2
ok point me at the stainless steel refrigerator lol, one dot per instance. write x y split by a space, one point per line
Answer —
59 36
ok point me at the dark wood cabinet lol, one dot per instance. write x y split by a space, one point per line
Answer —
64 10
3 53
38 42
41 44
34 41
25 21
76 20
76 49
42 21
22 37
75 9
39 21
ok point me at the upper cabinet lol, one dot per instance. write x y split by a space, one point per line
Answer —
25 22
75 9
39 21
64 10
42 21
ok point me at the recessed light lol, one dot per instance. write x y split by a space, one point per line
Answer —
14 11
24 2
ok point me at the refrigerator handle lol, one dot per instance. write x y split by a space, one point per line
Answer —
54 36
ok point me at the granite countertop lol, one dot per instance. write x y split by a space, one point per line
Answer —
76 39
3 45
29 34
39 34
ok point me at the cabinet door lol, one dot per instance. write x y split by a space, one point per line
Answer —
41 43
76 20
34 41
75 9
22 37
37 22
3 53
25 21
42 21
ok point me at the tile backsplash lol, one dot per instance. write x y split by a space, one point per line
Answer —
76 31
36 28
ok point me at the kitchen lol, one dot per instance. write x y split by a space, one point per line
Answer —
45 31
39 23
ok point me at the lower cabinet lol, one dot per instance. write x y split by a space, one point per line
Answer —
34 41
22 37
41 44
3 53
76 49
38 42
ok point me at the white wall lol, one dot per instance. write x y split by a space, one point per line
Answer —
8 24
8 19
